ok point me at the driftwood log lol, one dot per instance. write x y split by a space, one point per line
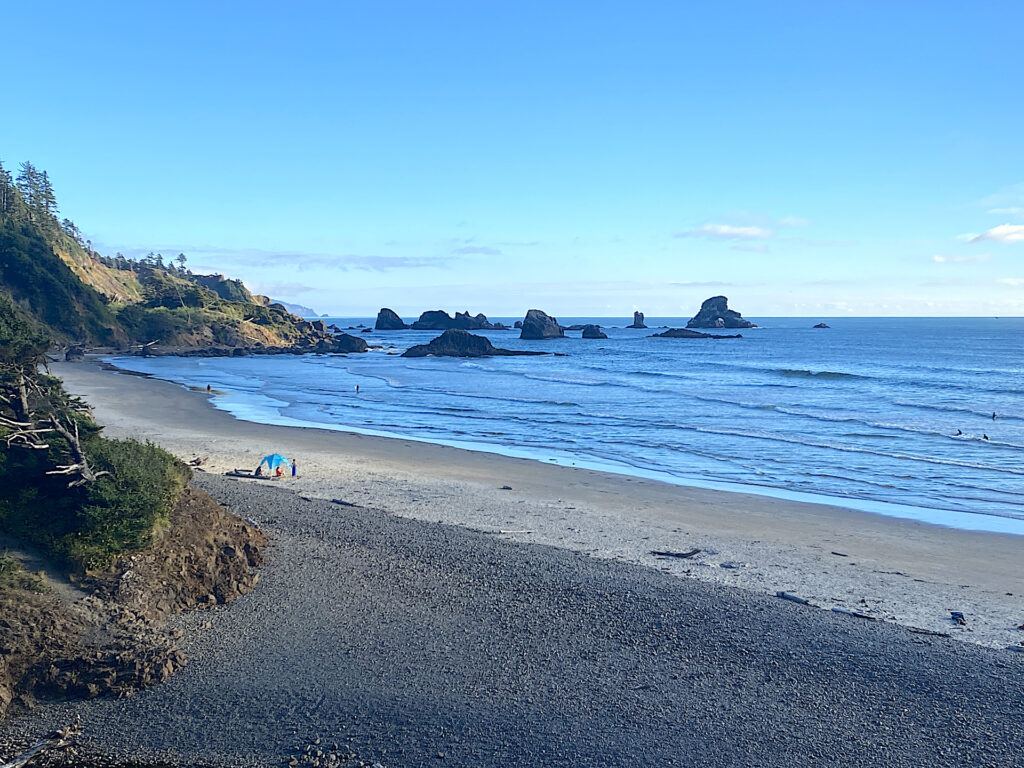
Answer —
61 739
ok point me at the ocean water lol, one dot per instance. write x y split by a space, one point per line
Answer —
889 415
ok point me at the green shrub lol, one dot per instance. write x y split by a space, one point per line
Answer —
123 510
14 576
88 526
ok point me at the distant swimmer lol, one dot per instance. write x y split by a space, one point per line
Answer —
357 389
959 432
984 437
993 415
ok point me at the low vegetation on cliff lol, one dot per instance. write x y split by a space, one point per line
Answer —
79 496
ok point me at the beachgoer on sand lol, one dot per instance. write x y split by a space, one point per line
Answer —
295 468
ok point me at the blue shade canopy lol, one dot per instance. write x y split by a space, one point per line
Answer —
275 460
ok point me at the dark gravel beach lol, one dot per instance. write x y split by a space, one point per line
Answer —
413 643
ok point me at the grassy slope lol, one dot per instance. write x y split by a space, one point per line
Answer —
39 281
81 299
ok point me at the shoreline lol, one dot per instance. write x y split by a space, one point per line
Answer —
890 568
269 415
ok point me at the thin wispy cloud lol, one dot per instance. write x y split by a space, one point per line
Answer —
1013 282
793 221
469 250
750 247
941 258
236 258
1011 196
1004 233
729 232
288 290
702 284
1016 211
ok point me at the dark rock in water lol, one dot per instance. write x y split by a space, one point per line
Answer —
684 333
319 326
517 324
822 325
335 344
388 320
347 343
456 342
715 313
367 330
75 353
333 328
538 325
439 320
593 332
638 320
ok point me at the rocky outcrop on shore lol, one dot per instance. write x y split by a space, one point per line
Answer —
638 320
593 332
459 343
113 641
388 320
538 325
715 313
685 333
336 344
439 320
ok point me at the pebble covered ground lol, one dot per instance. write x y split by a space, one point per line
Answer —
408 643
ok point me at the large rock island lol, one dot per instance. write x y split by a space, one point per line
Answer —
539 325
715 313
439 320
388 320
458 343
685 333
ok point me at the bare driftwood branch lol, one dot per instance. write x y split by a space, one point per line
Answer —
56 740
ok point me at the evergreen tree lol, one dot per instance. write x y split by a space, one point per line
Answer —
29 184
47 198
7 190
72 231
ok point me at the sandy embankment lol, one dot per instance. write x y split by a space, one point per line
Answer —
899 570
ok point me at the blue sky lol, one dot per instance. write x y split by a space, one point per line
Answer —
586 158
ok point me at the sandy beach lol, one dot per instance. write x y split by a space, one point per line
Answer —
896 570
394 623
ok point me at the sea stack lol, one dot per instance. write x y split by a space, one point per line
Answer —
593 332
388 320
822 325
638 320
439 320
538 325
715 313
456 342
